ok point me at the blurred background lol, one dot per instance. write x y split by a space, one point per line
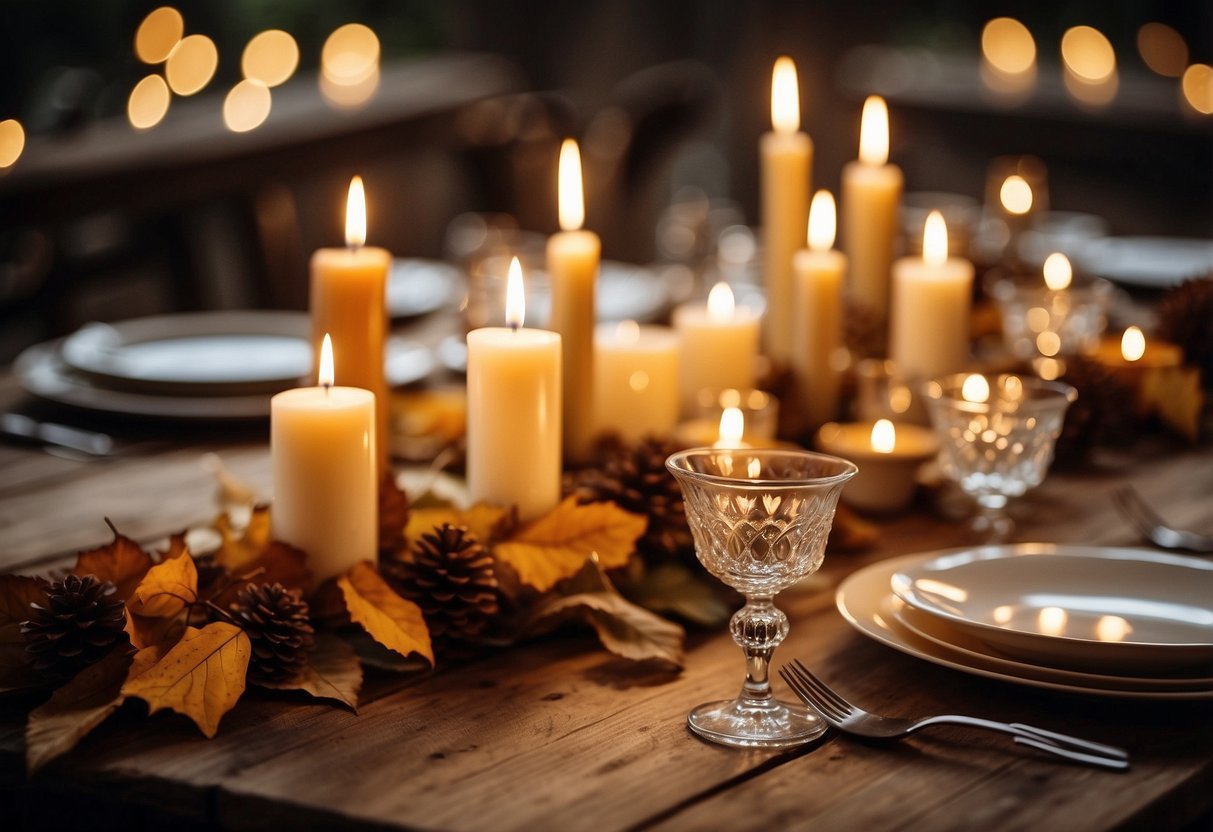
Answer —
159 159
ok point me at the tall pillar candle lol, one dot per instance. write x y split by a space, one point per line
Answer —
635 380
719 346
322 447
514 422
871 206
786 159
817 305
347 302
932 295
572 263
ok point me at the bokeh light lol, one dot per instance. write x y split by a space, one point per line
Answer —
159 32
1008 45
191 65
247 105
271 57
350 55
348 96
12 142
148 103
1162 49
1088 54
1198 88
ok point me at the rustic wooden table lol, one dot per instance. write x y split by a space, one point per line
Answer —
559 735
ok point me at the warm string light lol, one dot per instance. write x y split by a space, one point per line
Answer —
270 57
874 131
785 96
148 103
12 141
191 65
935 240
570 197
355 214
159 32
823 221
1008 46
515 297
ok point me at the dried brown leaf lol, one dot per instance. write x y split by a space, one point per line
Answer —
332 672
56 726
17 592
485 522
124 562
392 621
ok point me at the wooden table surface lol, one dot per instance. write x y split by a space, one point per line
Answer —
559 735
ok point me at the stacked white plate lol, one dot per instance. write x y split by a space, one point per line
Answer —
1085 619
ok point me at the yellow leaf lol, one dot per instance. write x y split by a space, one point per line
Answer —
484 521
1174 394
73 710
332 672
166 590
392 621
242 543
555 546
202 677
123 562
145 631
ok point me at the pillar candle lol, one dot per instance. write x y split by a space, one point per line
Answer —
348 287
929 333
322 446
572 263
719 346
817 313
635 380
786 156
513 378
871 205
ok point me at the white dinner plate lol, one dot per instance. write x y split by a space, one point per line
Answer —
418 287
1087 608
1152 262
860 599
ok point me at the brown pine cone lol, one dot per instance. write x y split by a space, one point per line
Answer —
79 623
1102 415
1185 317
276 621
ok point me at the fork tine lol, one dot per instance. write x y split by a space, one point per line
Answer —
824 691
809 696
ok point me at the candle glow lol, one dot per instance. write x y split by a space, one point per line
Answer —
874 132
823 221
570 195
515 298
1133 344
975 389
1016 195
785 96
884 437
721 303
355 214
935 240
732 428
326 377
1058 272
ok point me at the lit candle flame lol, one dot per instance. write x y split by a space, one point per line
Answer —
355 214
720 302
570 197
627 332
935 240
1058 272
823 221
785 96
975 389
326 376
874 131
1133 344
884 437
732 428
1016 195
515 297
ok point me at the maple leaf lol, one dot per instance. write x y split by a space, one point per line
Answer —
332 672
166 590
555 546
56 726
123 562
17 592
485 522
201 677
392 621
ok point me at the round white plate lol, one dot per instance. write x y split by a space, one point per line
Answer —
1082 607
417 287
861 595
1153 262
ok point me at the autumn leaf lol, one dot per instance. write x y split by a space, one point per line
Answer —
17 592
124 562
332 672
1174 395
672 588
56 726
201 677
177 547
279 563
242 543
555 546
166 590
145 631
485 522
392 621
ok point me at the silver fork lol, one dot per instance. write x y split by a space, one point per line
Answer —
854 720
1150 523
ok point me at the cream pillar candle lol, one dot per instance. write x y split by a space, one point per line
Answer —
871 206
719 346
929 333
513 379
572 264
635 380
322 447
348 287
787 160
817 315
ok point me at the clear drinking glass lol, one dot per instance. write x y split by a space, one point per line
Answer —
760 519
996 434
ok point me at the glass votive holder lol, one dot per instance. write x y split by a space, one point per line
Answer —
759 412
880 393
888 455
1042 326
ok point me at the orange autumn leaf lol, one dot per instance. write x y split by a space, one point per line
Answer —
166 590
145 631
242 544
124 562
555 546
201 677
485 522
392 621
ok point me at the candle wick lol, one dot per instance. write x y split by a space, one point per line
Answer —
327 387
513 326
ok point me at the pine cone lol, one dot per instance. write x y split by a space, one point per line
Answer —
79 623
276 621
1185 317
865 331
1101 415
451 577
634 477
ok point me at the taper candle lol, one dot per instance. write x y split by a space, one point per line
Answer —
818 313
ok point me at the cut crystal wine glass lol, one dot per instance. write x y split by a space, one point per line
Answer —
760 520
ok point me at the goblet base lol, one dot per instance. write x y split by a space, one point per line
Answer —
769 724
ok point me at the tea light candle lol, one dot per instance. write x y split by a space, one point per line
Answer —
348 287
322 449
731 430
871 206
719 345
818 318
929 334
1131 355
786 156
514 423
572 262
635 379
888 457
